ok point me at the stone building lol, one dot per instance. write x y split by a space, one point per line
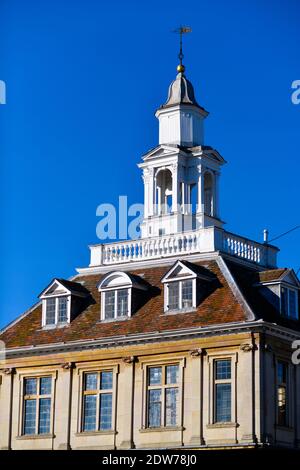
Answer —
179 339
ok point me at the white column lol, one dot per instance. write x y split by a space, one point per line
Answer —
200 190
150 200
175 187
183 196
146 195
216 194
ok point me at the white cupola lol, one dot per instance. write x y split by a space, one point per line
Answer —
181 174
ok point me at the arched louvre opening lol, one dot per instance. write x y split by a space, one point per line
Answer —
164 193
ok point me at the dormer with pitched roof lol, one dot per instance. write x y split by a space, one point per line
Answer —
62 300
281 288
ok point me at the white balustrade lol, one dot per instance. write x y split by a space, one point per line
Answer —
244 248
206 240
150 248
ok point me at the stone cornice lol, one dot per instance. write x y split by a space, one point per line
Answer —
144 338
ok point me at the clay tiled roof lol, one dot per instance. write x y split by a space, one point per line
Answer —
272 274
218 305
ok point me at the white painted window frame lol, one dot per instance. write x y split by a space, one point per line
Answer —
180 281
115 289
288 289
44 310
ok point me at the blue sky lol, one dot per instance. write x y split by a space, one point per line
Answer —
83 81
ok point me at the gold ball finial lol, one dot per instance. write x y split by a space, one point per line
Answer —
180 68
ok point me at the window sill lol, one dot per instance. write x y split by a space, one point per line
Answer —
54 327
95 433
183 310
35 436
162 429
109 320
222 425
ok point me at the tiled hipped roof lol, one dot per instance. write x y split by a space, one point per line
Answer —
218 304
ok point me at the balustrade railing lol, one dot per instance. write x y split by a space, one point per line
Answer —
205 240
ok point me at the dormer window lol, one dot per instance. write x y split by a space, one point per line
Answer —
61 301
280 287
179 288
180 294
56 310
289 302
117 295
116 303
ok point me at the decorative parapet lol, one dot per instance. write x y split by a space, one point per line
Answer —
204 240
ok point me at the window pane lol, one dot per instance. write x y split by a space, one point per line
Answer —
62 309
281 404
282 393
90 412
171 406
172 373
154 408
223 403
105 411
154 375
44 415
106 380
284 301
91 381
173 295
292 304
50 311
122 302
45 386
29 416
281 373
187 294
109 304
223 369
30 386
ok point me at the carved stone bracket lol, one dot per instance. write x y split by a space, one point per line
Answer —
8 371
247 347
197 352
129 359
68 365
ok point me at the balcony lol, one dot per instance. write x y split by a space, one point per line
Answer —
205 240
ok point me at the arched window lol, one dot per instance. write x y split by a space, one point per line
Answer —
164 191
119 294
208 194
115 291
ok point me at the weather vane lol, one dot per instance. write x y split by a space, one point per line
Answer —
181 30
